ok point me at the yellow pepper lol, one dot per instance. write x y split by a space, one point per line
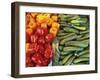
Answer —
53 31
54 18
55 25
50 22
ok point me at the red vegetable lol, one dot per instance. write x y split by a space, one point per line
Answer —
48 52
34 47
34 38
46 31
29 62
49 38
46 62
40 31
41 49
37 58
27 38
41 40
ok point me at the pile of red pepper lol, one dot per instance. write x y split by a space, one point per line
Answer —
39 37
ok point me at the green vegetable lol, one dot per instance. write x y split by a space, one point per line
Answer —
61 31
83 52
73 18
60 48
80 28
72 44
84 32
78 21
86 36
64 53
66 59
56 51
80 59
72 49
66 36
69 62
62 34
85 55
82 44
70 30
62 42
62 56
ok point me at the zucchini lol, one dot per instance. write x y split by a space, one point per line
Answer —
70 30
86 36
69 62
85 55
72 49
84 32
60 48
62 56
80 59
80 28
62 34
56 51
82 44
62 42
66 59
78 21
83 52
66 36
65 53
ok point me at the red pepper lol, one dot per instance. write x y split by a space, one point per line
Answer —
40 31
27 38
29 62
49 38
48 52
46 31
34 47
37 58
46 62
34 38
41 49
41 40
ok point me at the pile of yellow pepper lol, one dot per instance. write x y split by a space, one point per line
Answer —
44 20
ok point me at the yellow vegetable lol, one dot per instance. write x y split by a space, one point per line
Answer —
54 18
50 22
53 31
44 25
32 24
55 25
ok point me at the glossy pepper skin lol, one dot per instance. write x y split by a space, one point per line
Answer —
49 38
48 51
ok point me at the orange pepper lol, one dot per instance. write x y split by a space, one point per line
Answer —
53 31
55 25
27 18
44 25
29 31
33 15
32 24
27 45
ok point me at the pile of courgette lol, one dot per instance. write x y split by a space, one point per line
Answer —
72 43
